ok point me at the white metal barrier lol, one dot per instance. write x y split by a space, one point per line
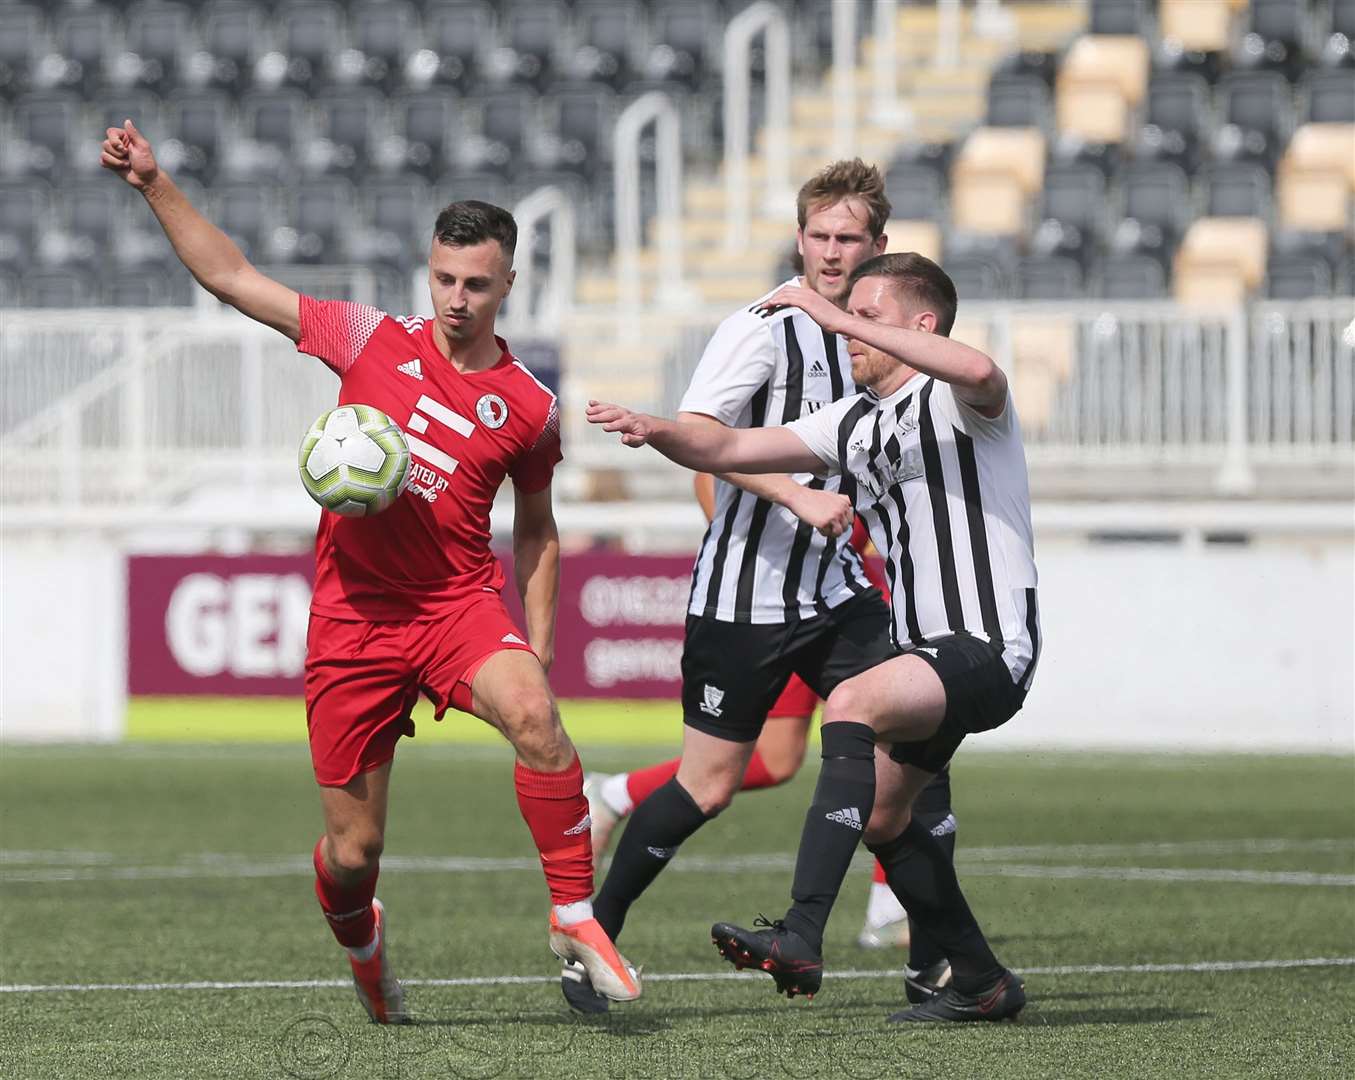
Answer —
765 18
552 205
654 107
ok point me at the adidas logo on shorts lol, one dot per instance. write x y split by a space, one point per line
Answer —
848 816
662 852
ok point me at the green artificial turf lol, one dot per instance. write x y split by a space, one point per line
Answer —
152 863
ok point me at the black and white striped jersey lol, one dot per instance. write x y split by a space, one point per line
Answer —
945 494
758 562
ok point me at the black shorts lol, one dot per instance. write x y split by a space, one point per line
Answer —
732 673
980 695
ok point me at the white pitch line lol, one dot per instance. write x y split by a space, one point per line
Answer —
1198 967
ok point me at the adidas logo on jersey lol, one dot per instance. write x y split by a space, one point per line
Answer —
411 368
582 827
848 816
817 370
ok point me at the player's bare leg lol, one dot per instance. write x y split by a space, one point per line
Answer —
347 861
510 692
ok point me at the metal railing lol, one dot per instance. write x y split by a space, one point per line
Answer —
553 206
171 411
764 18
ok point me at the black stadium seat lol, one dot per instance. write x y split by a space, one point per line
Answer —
247 213
429 122
1238 191
155 46
310 33
57 288
457 33
683 40
1049 277
1256 107
1131 277
916 192
1275 34
384 33
1330 97
1176 118
978 277
1120 16
22 41
1072 211
1017 101
1155 207
46 124
1298 277
322 212
610 38
83 44
234 34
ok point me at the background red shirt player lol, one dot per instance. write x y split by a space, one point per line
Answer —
408 602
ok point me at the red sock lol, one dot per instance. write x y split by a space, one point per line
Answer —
877 876
642 783
553 806
757 775
347 907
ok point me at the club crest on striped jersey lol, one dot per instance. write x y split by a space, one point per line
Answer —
492 411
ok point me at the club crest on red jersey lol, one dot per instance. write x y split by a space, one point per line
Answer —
492 411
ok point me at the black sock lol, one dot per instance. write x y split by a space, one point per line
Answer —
923 879
923 949
833 826
933 810
651 838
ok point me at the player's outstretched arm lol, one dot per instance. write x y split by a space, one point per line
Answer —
709 447
973 375
826 511
210 255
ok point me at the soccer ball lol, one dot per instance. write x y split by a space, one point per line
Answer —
354 461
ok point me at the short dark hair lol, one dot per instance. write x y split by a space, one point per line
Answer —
470 222
920 279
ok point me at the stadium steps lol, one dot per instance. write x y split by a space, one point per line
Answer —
622 357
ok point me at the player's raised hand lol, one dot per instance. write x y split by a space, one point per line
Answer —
827 511
635 428
127 153
824 312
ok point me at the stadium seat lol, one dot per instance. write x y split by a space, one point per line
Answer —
533 31
274 117
310 34
155 46
84 40
1275 34
1338 50
904 235
456 33
145 287
318 223
978 278
1038 65
611 37
1195 26
1329 97
1048 277
1237 191
1155 207
1120 59
347 122
1176 121
1120 16
428 121
1017 101
199 121
582 117
916 192
234 34
22 43
25 214
383 34
508 125
1131 277
59 288
684 41
1256 107
92 209
1298 277
1221 260
1316 178
995 173
45 125
1091 108
247 213
1072 211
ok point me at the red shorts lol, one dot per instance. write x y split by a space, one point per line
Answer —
797 699
364 678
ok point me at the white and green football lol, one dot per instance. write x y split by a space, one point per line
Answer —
354 461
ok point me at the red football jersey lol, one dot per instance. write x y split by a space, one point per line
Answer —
466 432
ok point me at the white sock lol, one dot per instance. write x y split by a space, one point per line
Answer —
363 953
614 794
577 912
883 906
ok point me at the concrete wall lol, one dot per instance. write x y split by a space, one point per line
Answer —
1147 645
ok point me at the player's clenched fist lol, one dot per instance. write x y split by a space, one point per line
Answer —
127 153
828 511
635 428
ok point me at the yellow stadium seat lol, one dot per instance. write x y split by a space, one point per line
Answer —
1316 200
1118 57
1092 109
988 202
923 237
1019 152
1323 147
1196 25
1220 260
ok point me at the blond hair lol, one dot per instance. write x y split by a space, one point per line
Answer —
845 180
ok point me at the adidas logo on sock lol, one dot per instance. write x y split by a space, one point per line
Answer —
412 368
582 827
662 852
848 816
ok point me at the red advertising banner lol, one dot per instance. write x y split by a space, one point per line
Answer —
215 624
